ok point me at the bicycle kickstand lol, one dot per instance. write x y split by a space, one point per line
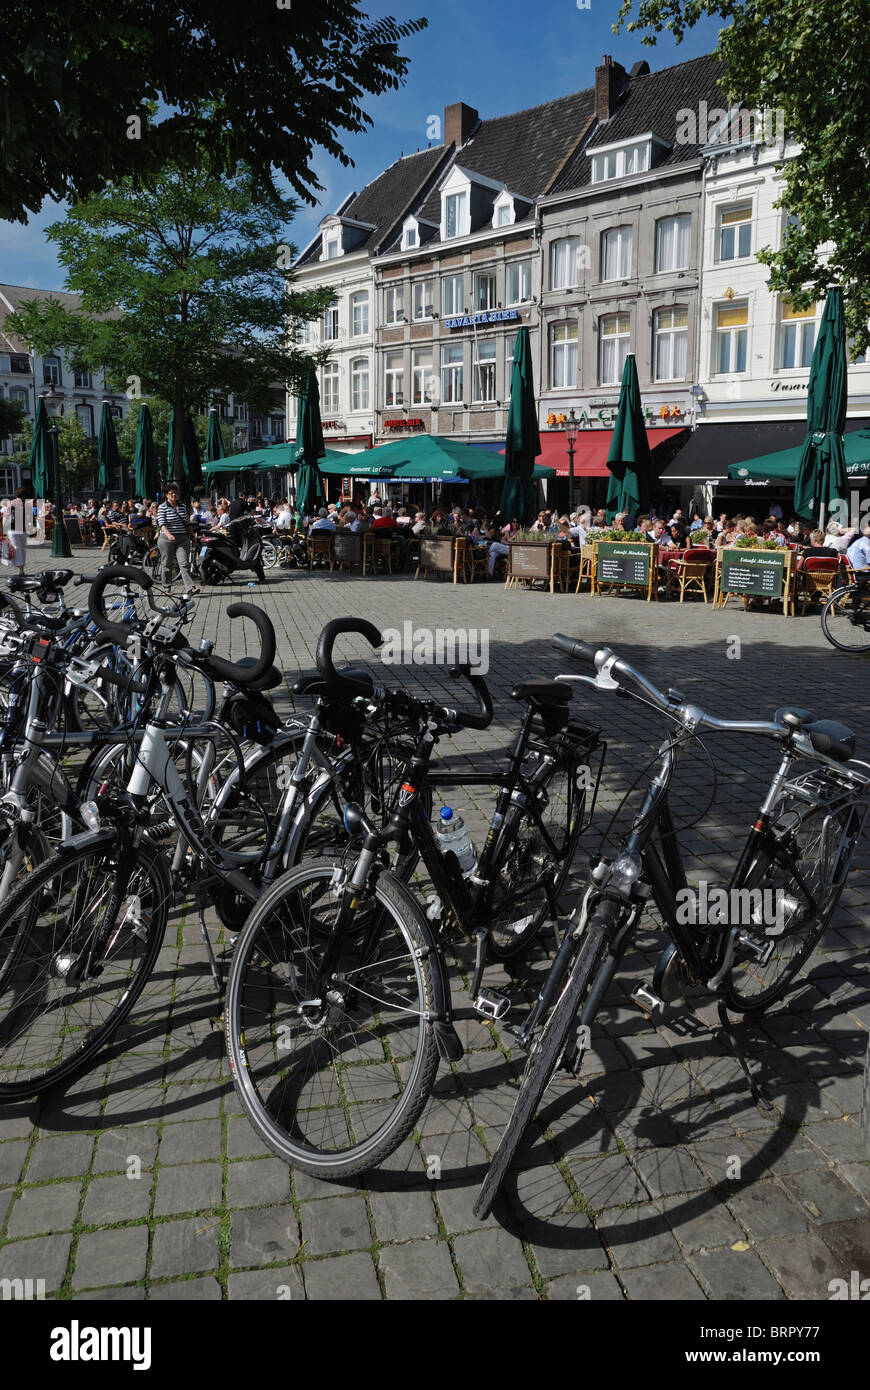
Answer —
737 1051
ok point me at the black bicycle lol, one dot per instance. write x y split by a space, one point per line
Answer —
338 1006
781 895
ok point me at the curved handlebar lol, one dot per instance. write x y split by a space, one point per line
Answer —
469 719
573 647
326 642
115 574
231 671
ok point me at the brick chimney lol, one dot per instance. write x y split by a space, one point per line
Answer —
609 80
459 122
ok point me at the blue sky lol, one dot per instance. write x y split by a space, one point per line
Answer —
496 55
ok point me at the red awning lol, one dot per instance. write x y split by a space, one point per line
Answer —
590 451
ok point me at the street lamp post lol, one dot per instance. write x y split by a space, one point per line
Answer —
571 440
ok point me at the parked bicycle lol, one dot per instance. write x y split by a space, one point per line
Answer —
846 616
797 851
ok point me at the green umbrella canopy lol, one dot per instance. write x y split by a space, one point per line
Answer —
146 480
107 450
628 460
433 456
190 448
309 447
41 451
784 463
214 446
523 442
821 474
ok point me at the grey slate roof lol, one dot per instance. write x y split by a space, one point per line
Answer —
16 295
651 102
387 200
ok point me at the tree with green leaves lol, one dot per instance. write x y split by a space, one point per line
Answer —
161 413
77 454
807 61
122 88
185 293
11 417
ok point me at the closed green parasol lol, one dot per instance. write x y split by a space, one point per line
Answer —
821 475
629 457
309 448
107 451
523 442
146 479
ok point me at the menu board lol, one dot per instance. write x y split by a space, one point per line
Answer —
747 571
621 562
529 561
437 554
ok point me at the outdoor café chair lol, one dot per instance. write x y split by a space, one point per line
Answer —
818 576
469 560
689 571
321 547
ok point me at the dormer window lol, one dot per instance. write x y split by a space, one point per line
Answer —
504 213
456 214
620 161
410 234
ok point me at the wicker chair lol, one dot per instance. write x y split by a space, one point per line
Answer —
321 546
469 560
818 577
689 571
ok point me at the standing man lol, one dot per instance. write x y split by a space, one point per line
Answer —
174 538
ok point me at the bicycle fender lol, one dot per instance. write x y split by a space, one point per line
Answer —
86 839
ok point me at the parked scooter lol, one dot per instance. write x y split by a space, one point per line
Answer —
240 547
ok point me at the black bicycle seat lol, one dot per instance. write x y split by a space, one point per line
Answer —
25 584
270 681
539 691
835 740
312 683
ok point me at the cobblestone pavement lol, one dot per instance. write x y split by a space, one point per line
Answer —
657 1177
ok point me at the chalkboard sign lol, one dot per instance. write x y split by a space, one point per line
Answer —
757 572
436 553
528 562
626 564
348 549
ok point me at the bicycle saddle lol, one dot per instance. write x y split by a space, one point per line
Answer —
539 691
312 683
826 735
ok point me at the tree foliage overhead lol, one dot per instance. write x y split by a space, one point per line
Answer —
266 82
77 454
195 265
161 412
808 59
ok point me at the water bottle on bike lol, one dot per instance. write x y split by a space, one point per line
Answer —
452 834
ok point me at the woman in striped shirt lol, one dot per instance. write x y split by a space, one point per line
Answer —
174 538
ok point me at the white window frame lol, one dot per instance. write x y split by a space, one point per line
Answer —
410 234
570 262
331 245
394 379
330 324
83 381
330 386
682 239
453 282
609 164
87 423
504 213
801 325
394 301
359 310
460 212
483 369
523 272
422 300
52 370
359 372
491 279
733 334
564 348
617 245
622 339
421 374
452 362
670 335
736 228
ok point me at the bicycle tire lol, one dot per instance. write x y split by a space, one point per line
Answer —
836 623
364 1088
34 984
543 1061
865 1104
750 987
269 552
523 865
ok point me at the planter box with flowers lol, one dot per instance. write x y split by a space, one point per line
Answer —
623 560
753 567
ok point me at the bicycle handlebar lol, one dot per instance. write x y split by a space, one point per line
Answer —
326 642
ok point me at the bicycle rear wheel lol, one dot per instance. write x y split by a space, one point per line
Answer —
332 1085
846 618
820 844
528 877
52 1021
543 1060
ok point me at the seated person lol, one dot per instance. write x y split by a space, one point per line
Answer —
323 522
816 550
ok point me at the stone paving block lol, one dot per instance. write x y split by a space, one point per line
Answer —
44 1210
569 1246
185 1247
669 1171
600 1287
129 1104
191 1141
849 1242
609 1180
206 1290
803 1264
263 1237
191 1100
765 1210
825 1196
16 1122
735 1275
490 1259
858 1175
115 1148
43 1258
243 1140
189 1187
838 1140
418 1271
663 1283
117 1199
131 1293
111 1257
701 1222
349 1278
637 1236
61 1156
284 1284
258 1182
336 1224
12 1156
403 1215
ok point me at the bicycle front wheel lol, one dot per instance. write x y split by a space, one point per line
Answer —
60 998
799 891
846 618
543 1060
332 1084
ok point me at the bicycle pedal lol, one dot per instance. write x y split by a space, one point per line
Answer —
646 1000
492 1004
